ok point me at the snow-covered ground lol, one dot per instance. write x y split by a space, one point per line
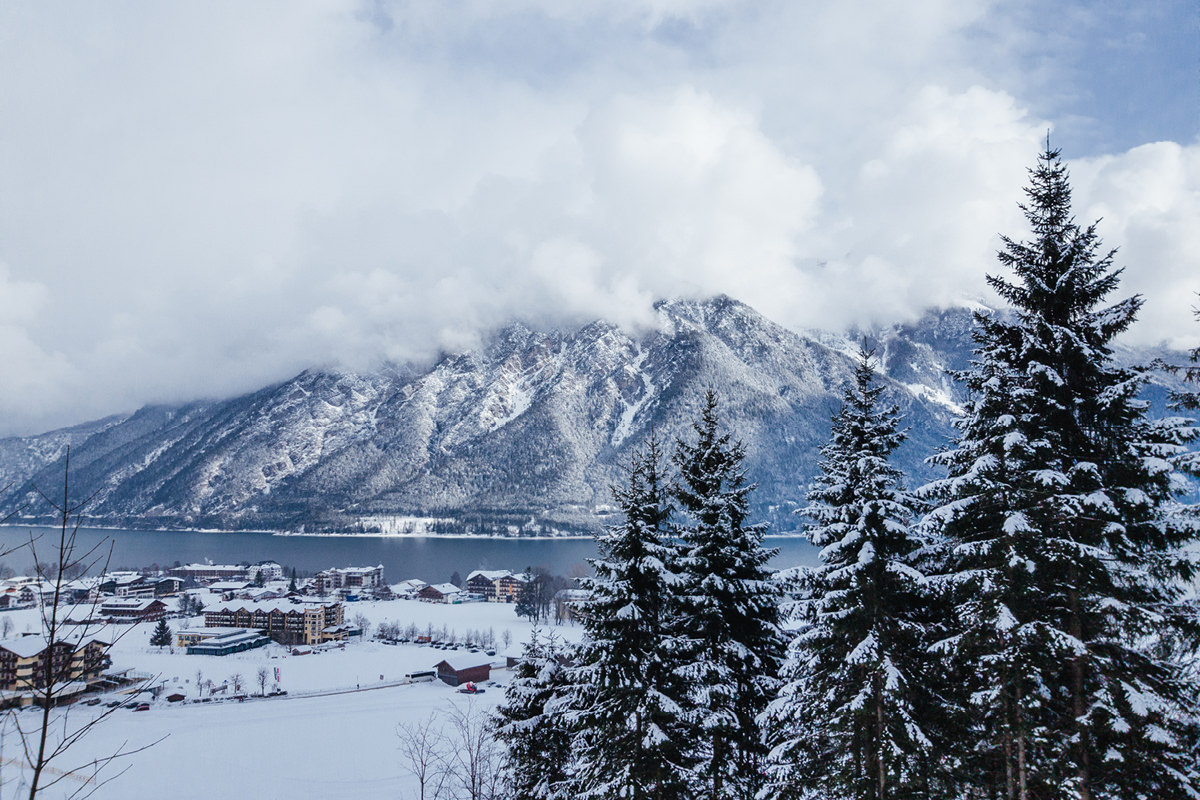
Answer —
331 746
332 736
357 664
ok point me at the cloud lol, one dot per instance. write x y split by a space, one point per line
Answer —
920 220
1147 201
200 200
32 374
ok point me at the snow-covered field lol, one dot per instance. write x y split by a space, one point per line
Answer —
338 741
358 663
332 746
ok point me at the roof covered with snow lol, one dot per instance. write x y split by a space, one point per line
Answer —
490 574
284 607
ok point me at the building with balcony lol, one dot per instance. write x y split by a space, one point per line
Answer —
132 609
286 623
482 582
496 586
353 580
212 572
28 665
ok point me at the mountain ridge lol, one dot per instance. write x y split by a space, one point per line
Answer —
525 433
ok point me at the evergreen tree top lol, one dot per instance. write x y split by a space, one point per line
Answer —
1061 275
640 542
857 484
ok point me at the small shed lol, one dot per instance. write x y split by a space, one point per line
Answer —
456 676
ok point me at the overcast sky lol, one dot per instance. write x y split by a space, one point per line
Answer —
198 199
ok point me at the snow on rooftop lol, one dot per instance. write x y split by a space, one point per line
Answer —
460 664
215 630
223 567
284 606
130 602
30 645
411 583
490 574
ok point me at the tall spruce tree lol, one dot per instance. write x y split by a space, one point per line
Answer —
727 609
532 724
848 722
624 692
161 635
1061 559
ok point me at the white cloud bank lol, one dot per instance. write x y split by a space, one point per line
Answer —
197 200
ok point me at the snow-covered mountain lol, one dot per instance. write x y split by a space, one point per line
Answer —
526 433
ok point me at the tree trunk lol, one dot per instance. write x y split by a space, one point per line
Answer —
1022 782
880 771
1077 691
1009 783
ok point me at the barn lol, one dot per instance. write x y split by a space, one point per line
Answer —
456 676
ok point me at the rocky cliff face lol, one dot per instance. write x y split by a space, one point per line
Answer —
525 434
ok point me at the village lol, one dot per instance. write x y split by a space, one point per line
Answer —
205 633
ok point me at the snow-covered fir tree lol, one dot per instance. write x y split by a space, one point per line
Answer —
727 613
532 722
161 635
848 721
628 733
1061 559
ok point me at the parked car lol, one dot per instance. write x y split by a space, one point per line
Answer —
142 707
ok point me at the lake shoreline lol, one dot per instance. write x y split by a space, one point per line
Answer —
433 558
349 535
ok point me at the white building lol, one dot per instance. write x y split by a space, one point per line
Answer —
352 579
269 570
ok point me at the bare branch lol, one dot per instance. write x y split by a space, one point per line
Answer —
54 673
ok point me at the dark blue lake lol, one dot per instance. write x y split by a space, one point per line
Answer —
428 558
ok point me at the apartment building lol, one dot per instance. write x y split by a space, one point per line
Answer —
27 661
496 586
212 572
352 579
286 623
133 609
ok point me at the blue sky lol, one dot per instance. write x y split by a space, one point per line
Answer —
1121 74
201 198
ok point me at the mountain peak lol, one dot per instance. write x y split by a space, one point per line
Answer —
529 424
